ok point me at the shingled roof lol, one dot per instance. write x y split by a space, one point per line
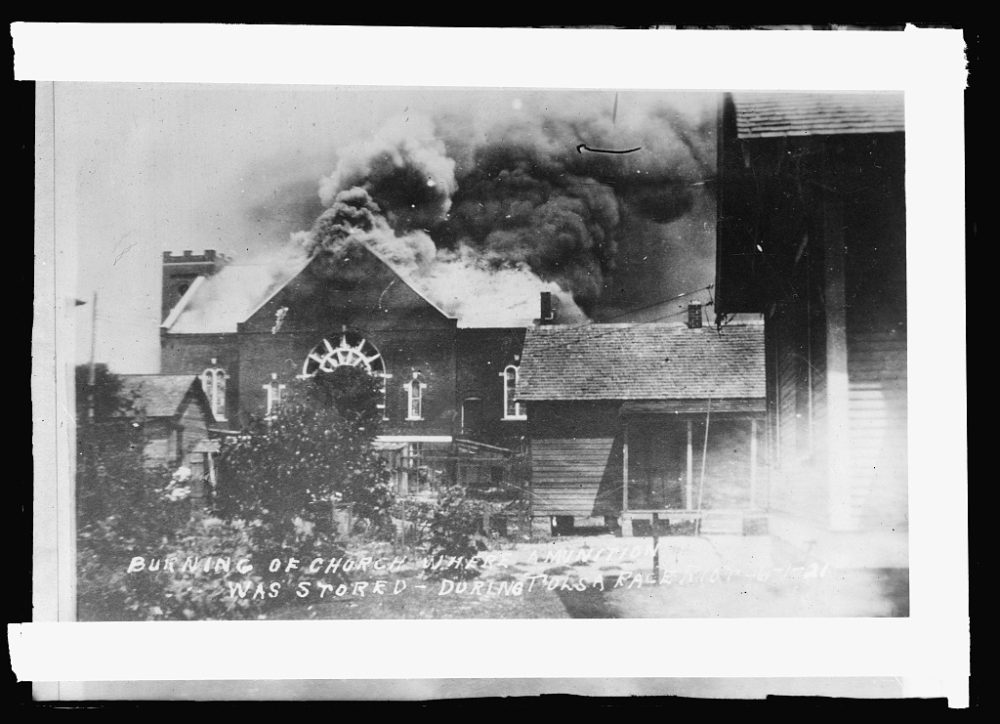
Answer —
642 362
765 115
158 395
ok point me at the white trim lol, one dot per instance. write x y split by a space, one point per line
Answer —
414 438
517 404
414 384
218 375
274 391
182 303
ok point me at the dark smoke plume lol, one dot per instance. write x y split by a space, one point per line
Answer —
484 210
519 192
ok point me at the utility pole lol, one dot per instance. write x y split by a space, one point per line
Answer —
92 377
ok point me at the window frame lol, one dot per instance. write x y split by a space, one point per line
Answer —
210 379
326 356
411 387
520 412
274 390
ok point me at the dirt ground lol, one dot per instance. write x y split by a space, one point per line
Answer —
605 576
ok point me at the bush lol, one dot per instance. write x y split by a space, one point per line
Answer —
211 595
107 591
314 452
455 530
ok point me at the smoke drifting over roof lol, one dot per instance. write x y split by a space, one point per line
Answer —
483 210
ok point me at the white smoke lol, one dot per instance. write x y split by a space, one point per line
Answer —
229 297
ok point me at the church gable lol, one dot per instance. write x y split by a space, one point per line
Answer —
354 289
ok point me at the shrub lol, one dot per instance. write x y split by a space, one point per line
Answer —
282 477
314 451
455 530
108 591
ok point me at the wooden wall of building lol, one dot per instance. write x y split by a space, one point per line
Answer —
877 409
797 422
576 458
876 344
863 223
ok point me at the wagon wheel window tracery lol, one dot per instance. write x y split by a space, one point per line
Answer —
351 350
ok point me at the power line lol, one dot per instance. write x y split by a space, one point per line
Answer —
655 304
601 333
604 333
590 322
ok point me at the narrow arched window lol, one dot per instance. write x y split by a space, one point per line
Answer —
415 398
213 381
512 409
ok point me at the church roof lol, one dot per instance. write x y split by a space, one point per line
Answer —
217 304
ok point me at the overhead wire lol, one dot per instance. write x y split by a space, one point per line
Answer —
605 332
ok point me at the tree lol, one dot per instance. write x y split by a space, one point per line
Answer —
112 478
286 471
123 505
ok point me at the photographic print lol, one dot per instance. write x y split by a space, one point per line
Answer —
393 353
617 357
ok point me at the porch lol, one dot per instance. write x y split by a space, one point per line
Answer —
692 463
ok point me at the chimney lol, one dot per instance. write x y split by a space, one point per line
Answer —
694 315
548 315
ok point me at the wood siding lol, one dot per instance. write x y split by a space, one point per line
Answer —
568 473
877 409
796 413
576 458
194 421
577 451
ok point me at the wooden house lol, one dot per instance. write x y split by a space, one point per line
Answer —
627 420
811 233
175 418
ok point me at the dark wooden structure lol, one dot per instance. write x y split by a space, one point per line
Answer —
811 233
175 419
629 419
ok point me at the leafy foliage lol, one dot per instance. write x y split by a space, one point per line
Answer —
455 530
125 508
106 392
283 475
287 470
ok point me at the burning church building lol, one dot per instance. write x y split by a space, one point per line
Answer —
425 265
447 390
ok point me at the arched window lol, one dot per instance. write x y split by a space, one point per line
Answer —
415 398
512 410
351 350
213 381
